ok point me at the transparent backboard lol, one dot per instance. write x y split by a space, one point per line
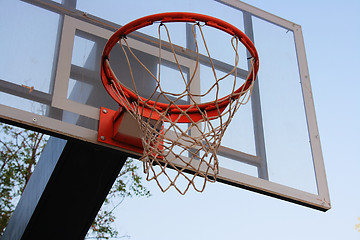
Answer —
50 81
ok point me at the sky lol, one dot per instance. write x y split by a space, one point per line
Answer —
331 31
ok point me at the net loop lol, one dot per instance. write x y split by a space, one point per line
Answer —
184 138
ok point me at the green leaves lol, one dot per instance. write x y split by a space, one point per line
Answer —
20 150
127 184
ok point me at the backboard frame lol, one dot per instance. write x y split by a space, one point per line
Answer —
74 19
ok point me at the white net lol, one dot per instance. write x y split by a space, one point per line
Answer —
181 142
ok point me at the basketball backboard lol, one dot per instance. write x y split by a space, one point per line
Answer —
50 81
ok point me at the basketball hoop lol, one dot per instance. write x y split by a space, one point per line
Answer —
165 144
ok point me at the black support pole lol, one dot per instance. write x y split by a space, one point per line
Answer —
65 192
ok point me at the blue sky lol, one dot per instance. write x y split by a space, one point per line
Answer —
331 32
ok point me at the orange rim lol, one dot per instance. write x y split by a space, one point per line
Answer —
213 108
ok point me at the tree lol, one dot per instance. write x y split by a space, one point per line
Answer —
20 150
128 184
357 226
